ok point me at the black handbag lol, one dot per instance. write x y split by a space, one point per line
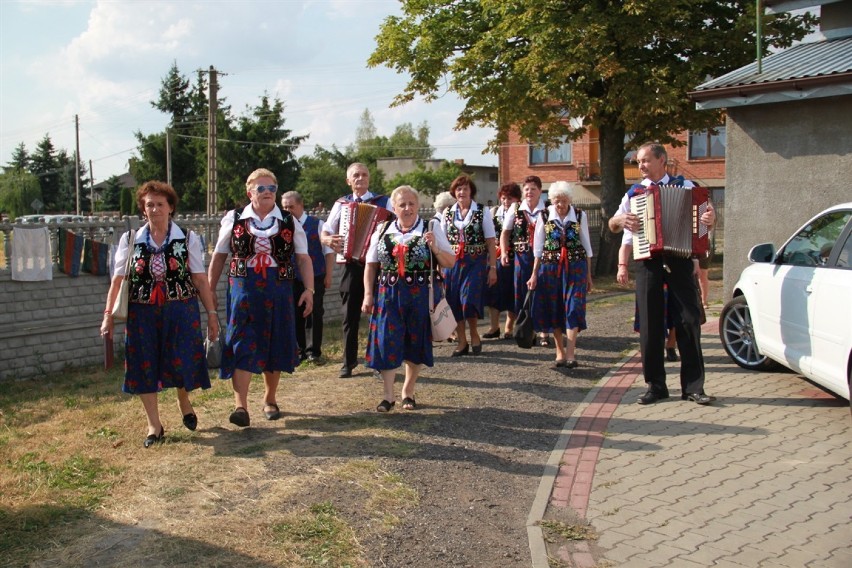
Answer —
524 332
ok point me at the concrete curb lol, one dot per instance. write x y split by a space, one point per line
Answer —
538 548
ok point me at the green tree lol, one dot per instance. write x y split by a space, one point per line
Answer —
44 164
426 181
621 67
111 195
18 188
20 159
258 140
323 176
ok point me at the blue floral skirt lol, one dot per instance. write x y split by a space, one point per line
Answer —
261 330
501 296
522 272
560 297
464 284
164 348
400 327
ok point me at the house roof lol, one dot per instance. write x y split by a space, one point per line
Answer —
807 70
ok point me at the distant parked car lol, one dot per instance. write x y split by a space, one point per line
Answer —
794 306
63 218
30 219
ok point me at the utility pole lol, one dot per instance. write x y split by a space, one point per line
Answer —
77 161
169 155
212 177
92 187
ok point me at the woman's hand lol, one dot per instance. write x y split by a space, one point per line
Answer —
492 275
367 304
531 283
107 325
212 326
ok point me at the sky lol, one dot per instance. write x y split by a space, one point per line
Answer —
104 62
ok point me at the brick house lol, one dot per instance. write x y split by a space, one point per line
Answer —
701 159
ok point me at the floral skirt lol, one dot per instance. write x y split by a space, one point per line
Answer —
464 284
560 297
261 330
501 296
400 327
164 348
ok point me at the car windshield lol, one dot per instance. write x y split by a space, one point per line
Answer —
812 245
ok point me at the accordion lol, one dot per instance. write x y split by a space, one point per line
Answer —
669 221
357 223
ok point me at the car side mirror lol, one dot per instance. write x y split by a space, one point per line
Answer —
762 253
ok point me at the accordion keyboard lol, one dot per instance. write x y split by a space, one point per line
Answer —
643 207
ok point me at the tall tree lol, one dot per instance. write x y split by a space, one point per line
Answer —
18 189
20 159
44 163
621 67
426 181
260 141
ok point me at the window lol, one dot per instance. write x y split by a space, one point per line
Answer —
705 144
812 246
559 155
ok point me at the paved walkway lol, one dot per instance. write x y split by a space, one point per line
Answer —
761 478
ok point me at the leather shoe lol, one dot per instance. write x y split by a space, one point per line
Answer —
699 398
152 439
460 352
491 334
190 421
345 372
671 354
651 397
476 349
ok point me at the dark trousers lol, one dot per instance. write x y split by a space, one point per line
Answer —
352 294
685 310
309 329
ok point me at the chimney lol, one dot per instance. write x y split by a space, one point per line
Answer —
459 161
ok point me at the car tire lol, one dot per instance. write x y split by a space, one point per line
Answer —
737 335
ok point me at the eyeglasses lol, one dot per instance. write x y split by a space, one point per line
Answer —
263 188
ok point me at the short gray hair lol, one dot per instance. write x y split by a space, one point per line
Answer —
560 189
404 189
443 200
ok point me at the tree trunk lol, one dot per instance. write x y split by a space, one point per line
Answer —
611 134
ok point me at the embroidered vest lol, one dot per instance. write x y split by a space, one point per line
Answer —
311 228
178 279
243 246
558 236
521 238
417 260
474 235
498 229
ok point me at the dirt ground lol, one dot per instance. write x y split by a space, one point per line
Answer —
448 485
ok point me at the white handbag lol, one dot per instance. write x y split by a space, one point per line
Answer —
443 320
119 307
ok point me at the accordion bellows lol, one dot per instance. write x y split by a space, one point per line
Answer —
358 221
669 221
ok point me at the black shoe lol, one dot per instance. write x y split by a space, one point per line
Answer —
699 398
460 352
274 413
240 417
651 397
491 334
477 349
190 421
671 354
345 372
152 439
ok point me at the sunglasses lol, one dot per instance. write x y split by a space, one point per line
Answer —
263 188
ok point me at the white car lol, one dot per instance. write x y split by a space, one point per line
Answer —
794 306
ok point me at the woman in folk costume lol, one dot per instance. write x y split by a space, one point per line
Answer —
164 347
400 254
470 230
501 296
561 273
519 226
263 242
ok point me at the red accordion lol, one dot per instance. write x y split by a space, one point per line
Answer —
669 221
358 221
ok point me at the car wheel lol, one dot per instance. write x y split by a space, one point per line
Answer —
737 334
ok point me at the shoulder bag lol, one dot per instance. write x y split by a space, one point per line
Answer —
119 307
524 332
443 321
